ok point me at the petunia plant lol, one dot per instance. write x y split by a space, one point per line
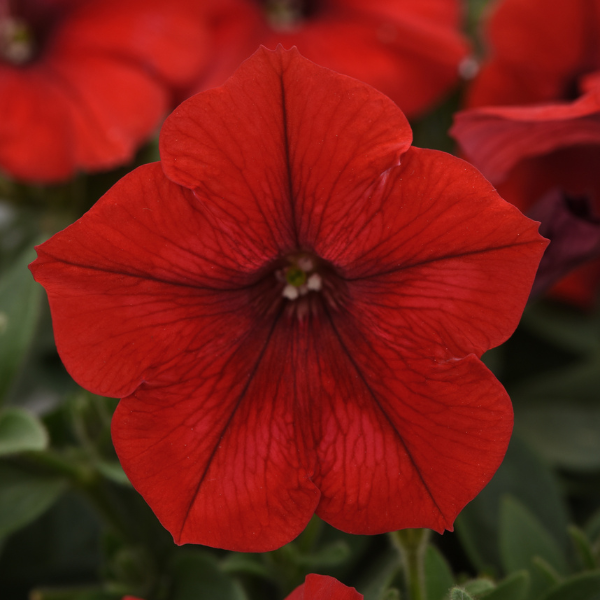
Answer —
286 354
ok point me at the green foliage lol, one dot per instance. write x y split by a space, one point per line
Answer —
460 594
20 302
528 479
438 575
197 575
24 496
559 414
514 587
579 587
522 537
21 431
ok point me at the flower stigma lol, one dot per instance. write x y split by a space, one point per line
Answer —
285 15
300 277
16 41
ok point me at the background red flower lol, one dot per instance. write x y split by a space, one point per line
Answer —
247 408
408 50
84 83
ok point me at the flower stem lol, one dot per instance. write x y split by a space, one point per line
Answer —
411 544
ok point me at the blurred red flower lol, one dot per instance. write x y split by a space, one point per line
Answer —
539 52
83 83
410 50
530 132
322 587
292 306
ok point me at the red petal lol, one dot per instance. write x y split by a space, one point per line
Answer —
168 38
161 264
215 442
267 150
404 442
409 51
322 587
555 36
438 243
495 139
113 107
36 134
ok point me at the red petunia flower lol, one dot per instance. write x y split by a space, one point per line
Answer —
83 83
321 587
411 51
539 52
292 306
529 152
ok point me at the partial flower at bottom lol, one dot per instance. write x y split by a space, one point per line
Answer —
292 305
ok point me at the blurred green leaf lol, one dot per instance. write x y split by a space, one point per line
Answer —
522 537
559 414
197 575
476 587
583 547
21 431
565 326
391 594
20 303
438 575
459 594
330 555
524 476
24 497
249 564
112 470
579 587
514 587
379 577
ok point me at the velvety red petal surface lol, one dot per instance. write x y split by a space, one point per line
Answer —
495 139
313 135
240 418
322 587
559 40
409 51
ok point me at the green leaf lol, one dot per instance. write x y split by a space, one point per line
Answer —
391 594
438 575
564 326
583 547
197 575
579 587
24 497
476 587
249 564
459 594
330 555
21 431
514 587
20 308
527 478
112 470
522 537
560 415
378 578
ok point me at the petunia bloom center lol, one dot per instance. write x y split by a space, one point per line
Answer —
300 276
287 15
16 41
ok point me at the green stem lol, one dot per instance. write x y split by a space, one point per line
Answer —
411 544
